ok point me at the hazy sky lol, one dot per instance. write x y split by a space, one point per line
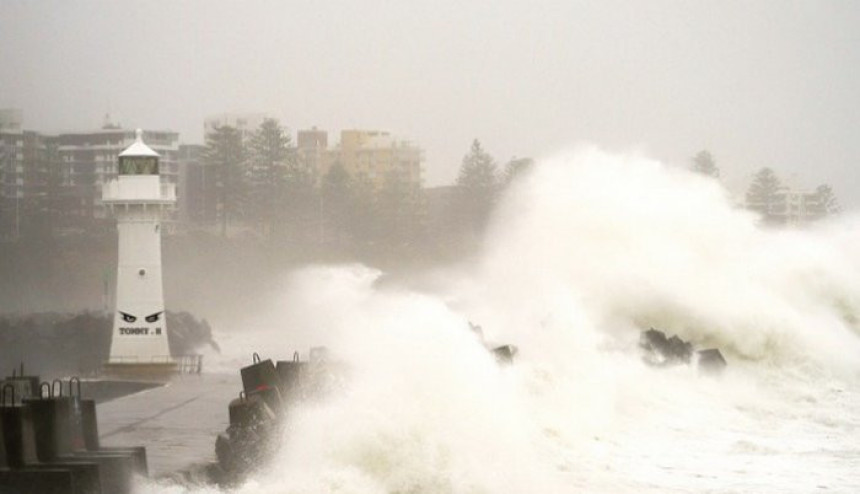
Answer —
758 83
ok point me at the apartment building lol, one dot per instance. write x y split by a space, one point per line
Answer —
790 207
29 175
88 160
378 156
54 181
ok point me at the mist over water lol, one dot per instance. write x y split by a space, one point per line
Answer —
582 254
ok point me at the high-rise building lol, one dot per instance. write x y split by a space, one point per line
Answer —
30 177
54 182
89 161
11 171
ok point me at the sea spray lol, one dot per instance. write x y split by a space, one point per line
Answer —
583 253
634 243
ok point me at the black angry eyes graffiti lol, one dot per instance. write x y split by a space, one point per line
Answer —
153 317
150 318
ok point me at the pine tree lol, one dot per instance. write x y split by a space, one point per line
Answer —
4 215
300 200
267 174
825 203
336 204
516 167
398 210
704 163
477 187
225 154
762 194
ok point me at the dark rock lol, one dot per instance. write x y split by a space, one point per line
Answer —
505 354
661 350
711 361
679 349
186 335
62 344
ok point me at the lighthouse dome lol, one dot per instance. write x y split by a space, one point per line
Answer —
138 148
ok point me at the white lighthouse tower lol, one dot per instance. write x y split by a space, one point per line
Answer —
139 200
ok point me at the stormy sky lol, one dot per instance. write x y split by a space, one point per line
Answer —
763 83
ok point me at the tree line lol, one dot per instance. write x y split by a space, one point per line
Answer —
263 182
773 201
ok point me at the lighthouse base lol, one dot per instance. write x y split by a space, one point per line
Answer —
149 371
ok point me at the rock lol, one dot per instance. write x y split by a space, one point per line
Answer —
679 350
711 361
661 350
62 344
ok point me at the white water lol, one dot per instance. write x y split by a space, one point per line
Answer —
583 254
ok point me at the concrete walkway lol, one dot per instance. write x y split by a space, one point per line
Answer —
177 423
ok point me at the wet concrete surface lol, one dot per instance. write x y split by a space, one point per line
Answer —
177 423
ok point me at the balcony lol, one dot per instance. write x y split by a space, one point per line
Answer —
138 190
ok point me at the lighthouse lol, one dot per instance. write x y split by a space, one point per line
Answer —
139 201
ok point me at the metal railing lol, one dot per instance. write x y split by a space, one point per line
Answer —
185 364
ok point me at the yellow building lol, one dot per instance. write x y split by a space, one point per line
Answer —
370 154
378 156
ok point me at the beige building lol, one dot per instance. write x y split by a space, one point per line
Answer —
370 154
790 207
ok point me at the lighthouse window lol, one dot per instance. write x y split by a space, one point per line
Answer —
138 165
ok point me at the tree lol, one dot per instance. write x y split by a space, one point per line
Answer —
477 187
225 154
824 203
301 198
4 157
762 194
398 209
516 167
267 174
704 163
336 204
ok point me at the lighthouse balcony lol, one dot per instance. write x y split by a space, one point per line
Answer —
138 189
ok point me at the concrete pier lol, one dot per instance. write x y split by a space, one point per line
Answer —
177 422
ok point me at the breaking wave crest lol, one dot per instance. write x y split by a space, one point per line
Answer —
633 243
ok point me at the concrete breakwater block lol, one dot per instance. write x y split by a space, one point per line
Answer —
49 443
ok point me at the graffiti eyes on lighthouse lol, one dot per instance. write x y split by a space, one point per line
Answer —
150 318
129 318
